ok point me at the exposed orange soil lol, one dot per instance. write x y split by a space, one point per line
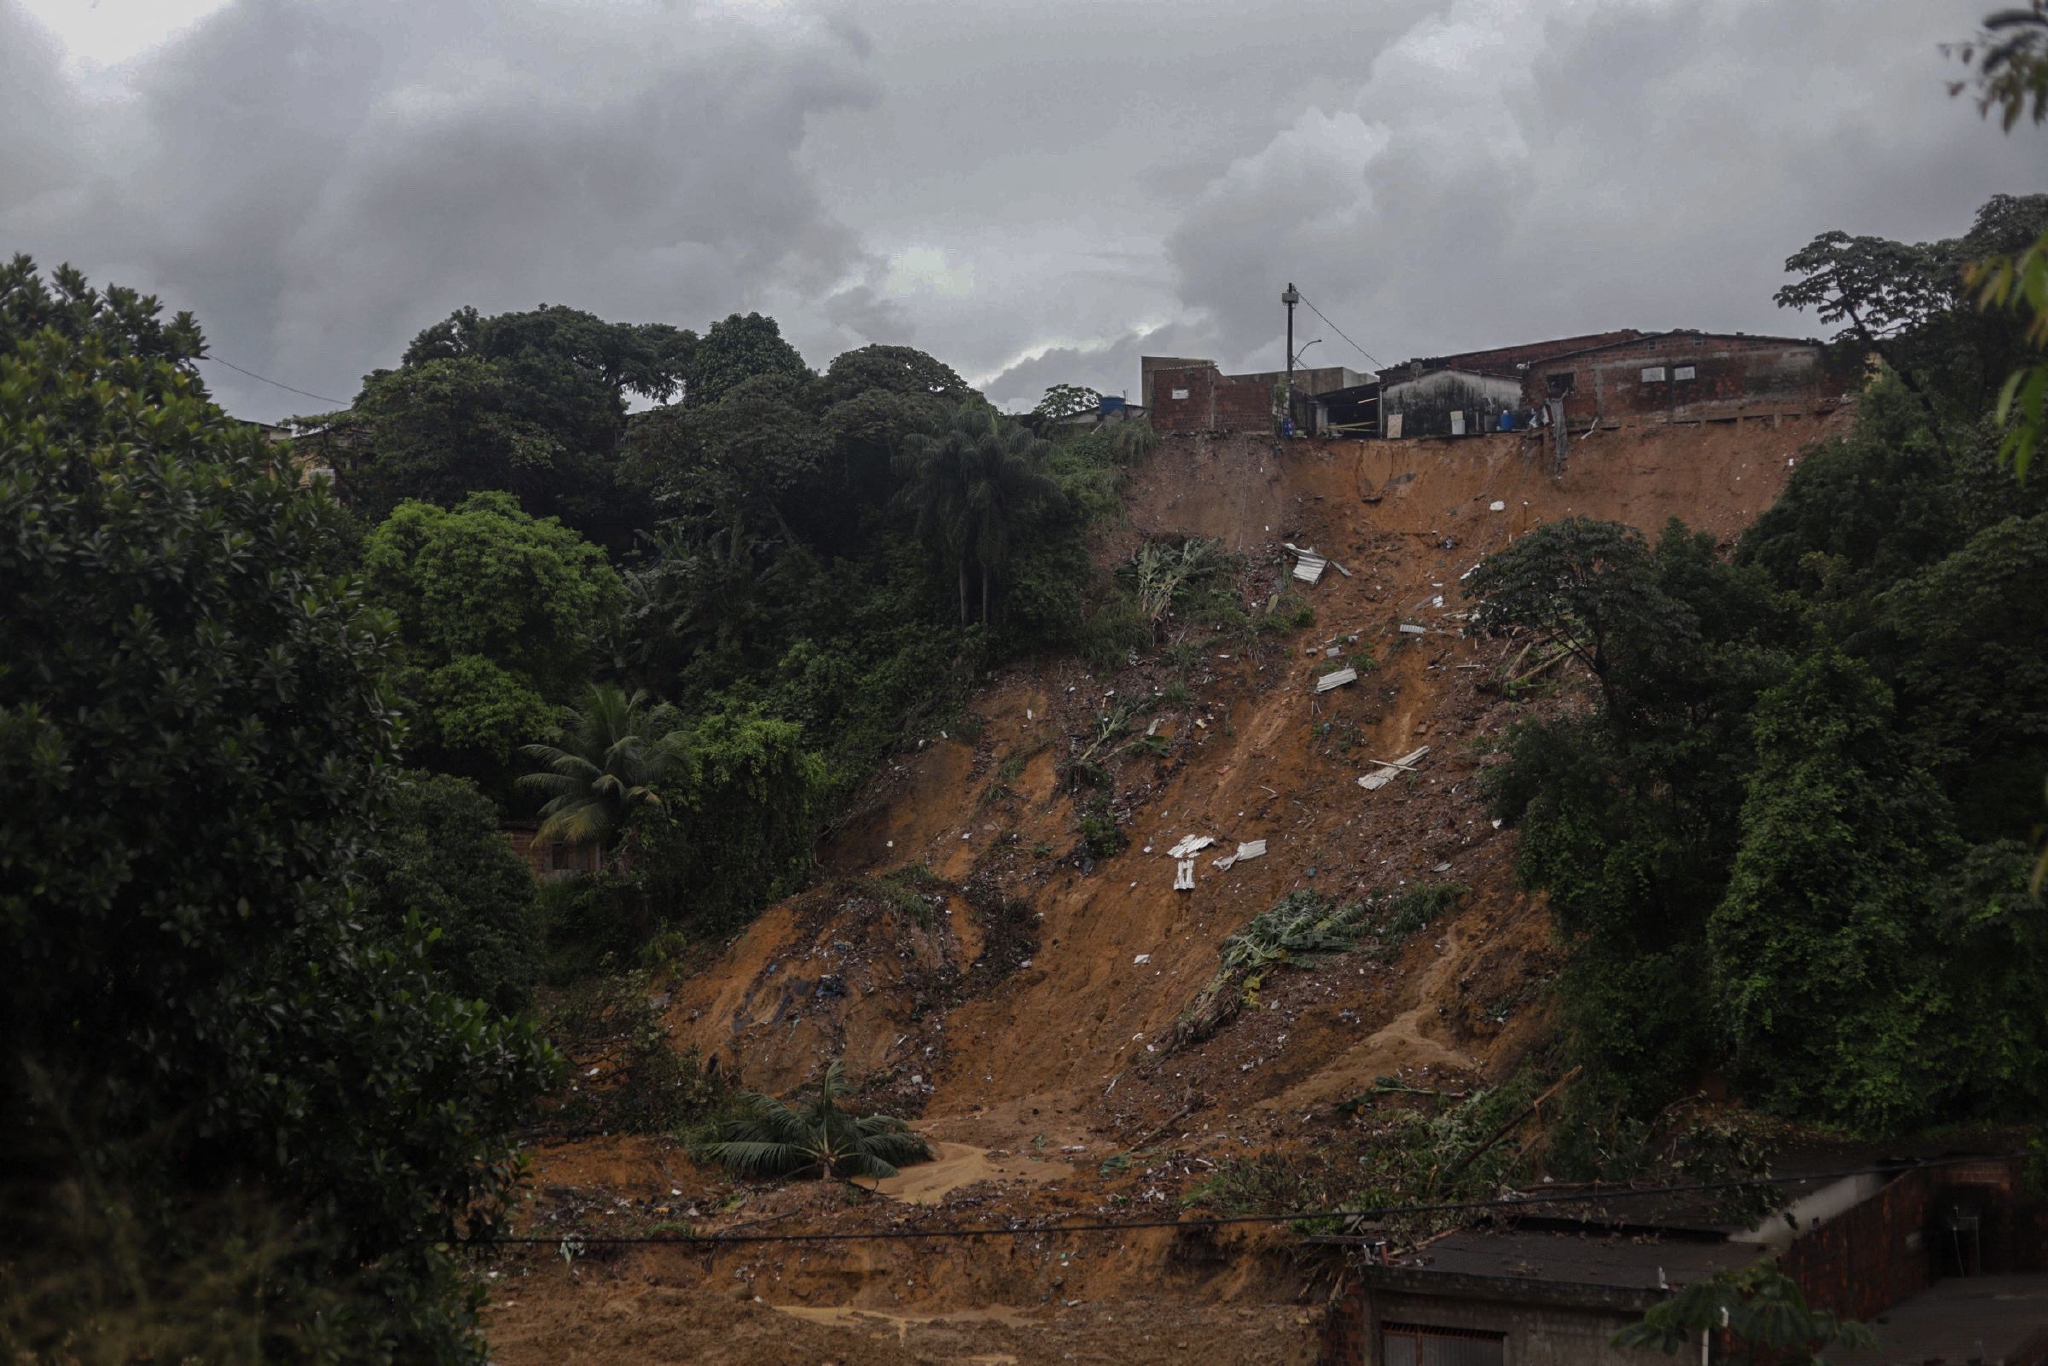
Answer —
1017 1009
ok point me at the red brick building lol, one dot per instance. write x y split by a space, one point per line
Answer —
1685 375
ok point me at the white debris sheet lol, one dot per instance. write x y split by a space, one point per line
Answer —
1390 769
1189 845
1246 850
1337 679
1309 566
1184 875
1408 630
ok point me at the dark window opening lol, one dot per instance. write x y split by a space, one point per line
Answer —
1409 1344
1560 385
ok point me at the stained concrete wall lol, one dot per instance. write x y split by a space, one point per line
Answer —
1426 403
1535 1335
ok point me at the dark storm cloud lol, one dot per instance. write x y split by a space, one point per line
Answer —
320 182
1035 193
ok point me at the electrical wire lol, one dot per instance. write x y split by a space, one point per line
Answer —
1340 332
338 402
1031 1230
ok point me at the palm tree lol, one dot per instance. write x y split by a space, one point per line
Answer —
970 483
814 1137
605 771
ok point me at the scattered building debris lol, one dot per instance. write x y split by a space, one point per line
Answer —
1337 679
1497 506
1142 958
1190 844
1411 630
1184 875
1247 850
1389 769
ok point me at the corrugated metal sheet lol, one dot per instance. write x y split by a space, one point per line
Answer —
1388 771
1184 875
1191 844
1337 679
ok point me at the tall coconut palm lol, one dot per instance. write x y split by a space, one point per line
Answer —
814 1137
604 772
971 482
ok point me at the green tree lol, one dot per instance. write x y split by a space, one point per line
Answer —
607 770
502 617
530 403
440 855
195 728
735 350
814 1136
722 470
123 321
971 484
1819 942
1066 400
1759 1306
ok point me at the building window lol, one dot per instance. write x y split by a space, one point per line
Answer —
1559 385
1180 393
1653 374
1683 372
1409 1344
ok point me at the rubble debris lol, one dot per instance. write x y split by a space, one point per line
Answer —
1190 844
1389 769
1408 630
1184 875
1308 565
1337 679
1247 850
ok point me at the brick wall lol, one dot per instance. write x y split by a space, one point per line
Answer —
1867 1259
1729 374
1508 357
1214 402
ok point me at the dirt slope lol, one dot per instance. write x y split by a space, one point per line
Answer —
1013 993
1036 1052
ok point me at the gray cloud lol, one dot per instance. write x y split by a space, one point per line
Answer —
1034 193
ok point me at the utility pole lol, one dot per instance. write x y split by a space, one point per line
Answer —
1290 298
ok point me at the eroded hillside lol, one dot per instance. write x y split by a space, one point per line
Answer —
983 966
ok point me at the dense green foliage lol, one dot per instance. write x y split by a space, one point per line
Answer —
441 857
1781 845
1759 1307
197 736
531 403
501 618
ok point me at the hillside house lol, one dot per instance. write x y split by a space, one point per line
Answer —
1687 376
554 860
1947 1254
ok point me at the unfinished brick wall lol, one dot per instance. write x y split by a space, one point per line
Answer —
1214 402
1729 375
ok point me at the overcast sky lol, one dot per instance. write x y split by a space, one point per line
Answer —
1035 192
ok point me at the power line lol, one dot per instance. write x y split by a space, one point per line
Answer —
1032 1230
338 402
1340 332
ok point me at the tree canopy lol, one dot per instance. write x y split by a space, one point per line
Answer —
501 618
196 720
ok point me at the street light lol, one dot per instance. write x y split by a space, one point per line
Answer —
1291 296
1304 349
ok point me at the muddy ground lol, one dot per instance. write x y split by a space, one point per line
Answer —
1016 1002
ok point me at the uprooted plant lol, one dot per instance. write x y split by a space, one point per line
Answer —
1302 930
812 1136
